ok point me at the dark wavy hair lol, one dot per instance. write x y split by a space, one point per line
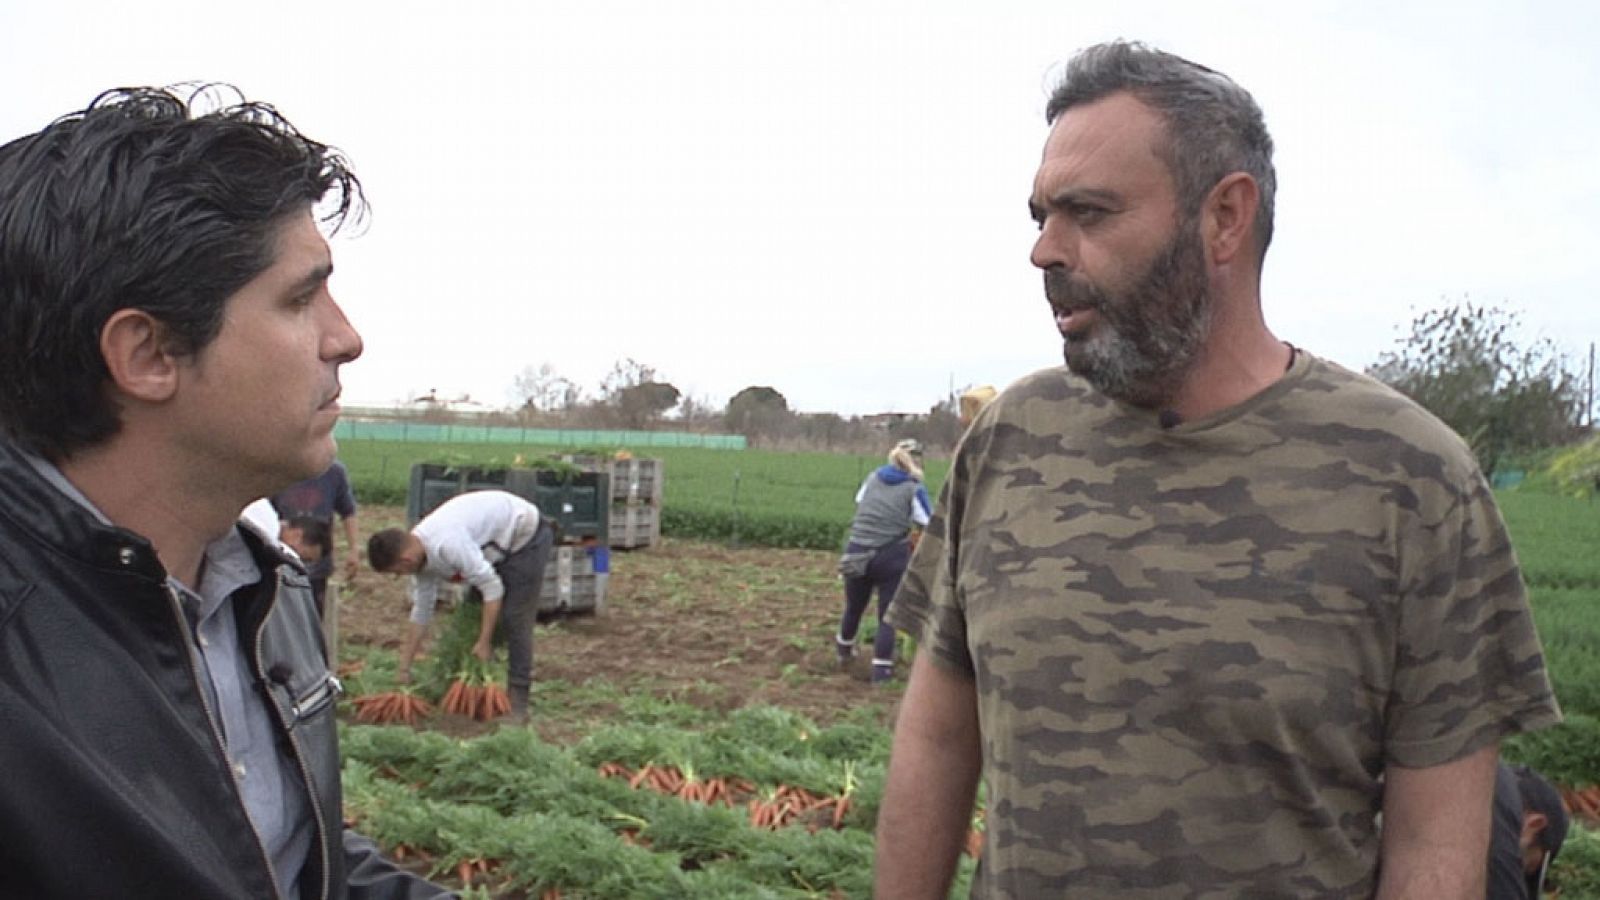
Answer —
314 531
384 547
165 200
1214 127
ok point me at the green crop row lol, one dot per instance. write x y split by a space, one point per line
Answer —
1557 537
547 819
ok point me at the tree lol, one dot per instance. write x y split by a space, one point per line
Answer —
941 427
1462 363
641 404
697 412
824 431
635 397
757 411
543 390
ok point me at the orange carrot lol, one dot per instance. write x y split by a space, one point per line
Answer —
644 774
1588 805
671 779
658 780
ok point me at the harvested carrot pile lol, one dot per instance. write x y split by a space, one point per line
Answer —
786 804
475 868
1583 802
783 805
392 707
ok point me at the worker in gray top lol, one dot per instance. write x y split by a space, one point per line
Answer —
891 501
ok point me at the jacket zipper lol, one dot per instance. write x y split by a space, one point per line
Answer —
294 742
216 733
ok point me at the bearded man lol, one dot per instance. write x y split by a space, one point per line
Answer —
1200 605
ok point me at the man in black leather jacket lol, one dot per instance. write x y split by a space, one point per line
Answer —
169 351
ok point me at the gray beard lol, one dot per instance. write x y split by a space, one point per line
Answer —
1150 335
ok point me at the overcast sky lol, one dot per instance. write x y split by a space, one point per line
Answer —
830 198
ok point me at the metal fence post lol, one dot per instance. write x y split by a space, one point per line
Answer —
736 507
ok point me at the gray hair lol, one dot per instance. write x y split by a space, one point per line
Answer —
1214 126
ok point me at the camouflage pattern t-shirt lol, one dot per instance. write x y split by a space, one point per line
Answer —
1196 648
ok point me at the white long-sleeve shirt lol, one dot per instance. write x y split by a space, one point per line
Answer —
463 539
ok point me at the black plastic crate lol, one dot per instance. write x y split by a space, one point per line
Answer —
579 502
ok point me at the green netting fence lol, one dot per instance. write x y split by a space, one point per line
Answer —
435 433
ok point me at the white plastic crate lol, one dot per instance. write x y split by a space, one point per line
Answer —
634 526
575 579
636 481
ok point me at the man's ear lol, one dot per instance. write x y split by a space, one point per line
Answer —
1533 825
1228 223
135 347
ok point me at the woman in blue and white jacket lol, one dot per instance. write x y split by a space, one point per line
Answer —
890 503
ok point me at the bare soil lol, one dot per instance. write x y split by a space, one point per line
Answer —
715 626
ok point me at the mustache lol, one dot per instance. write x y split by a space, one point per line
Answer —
1068 293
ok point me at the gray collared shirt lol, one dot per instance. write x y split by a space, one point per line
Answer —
274 794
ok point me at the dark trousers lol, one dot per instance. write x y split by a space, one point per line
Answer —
522 573
883 574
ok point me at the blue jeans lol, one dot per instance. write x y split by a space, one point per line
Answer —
883 574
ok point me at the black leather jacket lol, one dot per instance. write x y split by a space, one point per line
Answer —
113 779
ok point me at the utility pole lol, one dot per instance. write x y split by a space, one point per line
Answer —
1589 416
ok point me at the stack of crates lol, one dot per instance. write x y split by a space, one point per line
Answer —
635 502
579 565
575 579
635 515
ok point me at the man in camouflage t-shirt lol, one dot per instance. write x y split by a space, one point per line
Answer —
1199 606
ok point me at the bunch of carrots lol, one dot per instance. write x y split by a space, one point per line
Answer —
392 707
467 869
1584 802
675 782
475 694
786 804
778 808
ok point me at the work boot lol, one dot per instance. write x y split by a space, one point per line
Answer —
844 650
518 695
882 673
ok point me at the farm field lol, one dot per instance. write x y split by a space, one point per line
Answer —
708 661
711 663
743 496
